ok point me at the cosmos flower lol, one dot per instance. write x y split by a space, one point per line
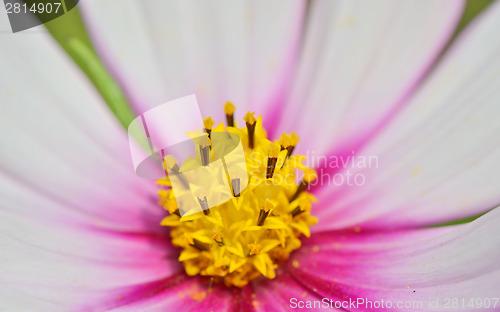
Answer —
81 232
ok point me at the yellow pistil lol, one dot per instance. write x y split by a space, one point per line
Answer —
253 234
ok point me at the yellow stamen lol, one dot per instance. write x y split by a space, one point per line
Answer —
229 110
205 148
188 237
253 234
208 123
170 163
309 176
285 141
201 246
273 150
265 209
288 143
250 121
236 186
304 205
249 118
272 158
204 204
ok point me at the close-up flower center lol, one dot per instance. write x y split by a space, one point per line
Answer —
254 233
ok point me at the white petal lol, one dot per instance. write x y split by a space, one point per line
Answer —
360 61
77 227
241 51
438 160
60 138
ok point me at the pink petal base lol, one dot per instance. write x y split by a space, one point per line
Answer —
416 265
